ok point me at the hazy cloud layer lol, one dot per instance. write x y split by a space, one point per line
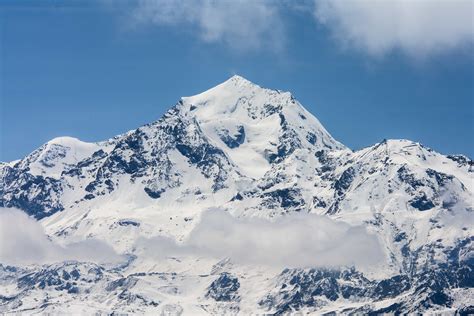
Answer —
291 241
23 241
416 27
241 24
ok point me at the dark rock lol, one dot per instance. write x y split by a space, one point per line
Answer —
154 194
422 203
125 222
233 141
224 288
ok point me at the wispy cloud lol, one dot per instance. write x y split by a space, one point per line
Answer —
418 28
240 24
23 241
291 241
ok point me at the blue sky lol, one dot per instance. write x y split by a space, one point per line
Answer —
94 69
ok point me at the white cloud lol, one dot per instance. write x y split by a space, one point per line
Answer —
291 241
415 27
23 241
241 24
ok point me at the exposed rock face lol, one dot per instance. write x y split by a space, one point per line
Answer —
224 288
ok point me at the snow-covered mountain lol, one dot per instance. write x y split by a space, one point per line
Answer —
253 153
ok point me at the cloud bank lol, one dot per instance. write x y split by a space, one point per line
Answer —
241 24
291 241
415 27
23 241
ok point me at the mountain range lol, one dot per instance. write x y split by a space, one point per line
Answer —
260 158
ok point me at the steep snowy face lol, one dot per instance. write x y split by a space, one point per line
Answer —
256 126
398 175
417 199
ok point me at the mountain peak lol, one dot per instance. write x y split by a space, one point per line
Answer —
255 126
236 86
66 141
237 79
